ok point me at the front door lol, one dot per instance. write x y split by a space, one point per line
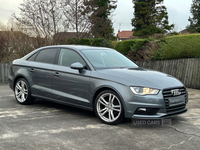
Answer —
71 85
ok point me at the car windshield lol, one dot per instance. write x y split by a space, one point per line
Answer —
102 59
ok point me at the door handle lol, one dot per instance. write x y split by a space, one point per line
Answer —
31 70
56 74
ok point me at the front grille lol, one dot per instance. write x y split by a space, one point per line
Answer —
167 94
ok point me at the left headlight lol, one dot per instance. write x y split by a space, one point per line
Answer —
144 91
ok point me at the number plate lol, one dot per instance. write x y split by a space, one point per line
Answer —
176 101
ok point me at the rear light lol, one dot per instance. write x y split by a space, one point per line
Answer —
11 67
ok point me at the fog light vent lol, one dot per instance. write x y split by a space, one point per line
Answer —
142 109
146 111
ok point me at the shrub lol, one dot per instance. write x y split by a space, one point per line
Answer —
101 42
15 44
124 46
173 33
84 42
133 45
113 44
175 47
73 41
138 44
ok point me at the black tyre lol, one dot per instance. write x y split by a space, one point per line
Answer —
109 108
22 92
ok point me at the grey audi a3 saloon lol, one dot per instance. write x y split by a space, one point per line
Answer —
98 79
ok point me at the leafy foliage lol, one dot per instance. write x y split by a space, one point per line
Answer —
194 26
113 44
84 42
150 17
139 44
133 45
101 42
100 11
175 47
94 42
124 46
15 44
74 41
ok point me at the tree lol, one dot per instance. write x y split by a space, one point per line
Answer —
75 19
195 19
99 12
15 44
150 17
42 17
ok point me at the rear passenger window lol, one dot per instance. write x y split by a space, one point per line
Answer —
46 56
32 58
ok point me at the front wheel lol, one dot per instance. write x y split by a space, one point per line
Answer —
22 92
109 108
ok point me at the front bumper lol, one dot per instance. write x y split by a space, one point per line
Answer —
153 107
159 115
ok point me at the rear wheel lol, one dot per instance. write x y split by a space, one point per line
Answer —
109 108
22 92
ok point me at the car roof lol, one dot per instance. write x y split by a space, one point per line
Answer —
77 47
74 47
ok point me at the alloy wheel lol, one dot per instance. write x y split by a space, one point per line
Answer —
109 107
21 91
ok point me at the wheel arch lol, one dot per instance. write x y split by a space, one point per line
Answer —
103 88
17 78
28 99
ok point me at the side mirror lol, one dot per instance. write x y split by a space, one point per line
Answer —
77 66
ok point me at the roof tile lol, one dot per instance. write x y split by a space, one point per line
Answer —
125 34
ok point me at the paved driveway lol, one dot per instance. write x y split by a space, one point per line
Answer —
46 125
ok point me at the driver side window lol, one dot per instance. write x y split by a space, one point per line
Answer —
68 57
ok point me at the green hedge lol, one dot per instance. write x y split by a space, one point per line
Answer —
79 41
125 46
139 44
72 41
170 47
94 42
101 42
113 44
176 47
84 42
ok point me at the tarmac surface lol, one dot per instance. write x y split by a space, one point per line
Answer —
46 125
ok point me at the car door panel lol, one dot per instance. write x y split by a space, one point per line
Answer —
41 78
40 68
70 85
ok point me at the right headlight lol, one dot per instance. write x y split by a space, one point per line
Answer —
144 91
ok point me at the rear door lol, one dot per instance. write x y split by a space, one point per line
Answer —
70 85
41 72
